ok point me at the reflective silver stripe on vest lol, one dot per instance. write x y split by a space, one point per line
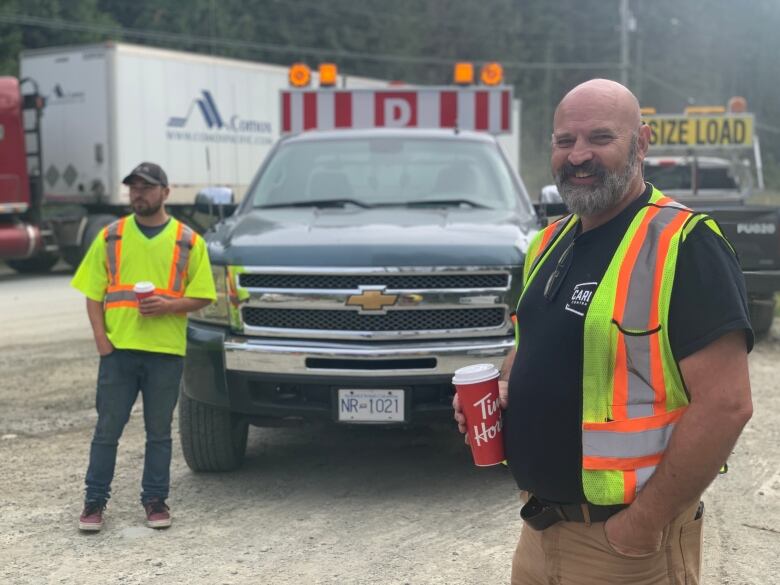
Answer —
626 444
640 391
642 475
126 295
675 205
120 295
185 245
636 316
112 235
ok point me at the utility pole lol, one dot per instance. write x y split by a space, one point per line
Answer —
625 17
639 78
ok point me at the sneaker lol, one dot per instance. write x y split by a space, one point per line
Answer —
91 518
158 514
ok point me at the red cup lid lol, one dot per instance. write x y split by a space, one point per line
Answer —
475 374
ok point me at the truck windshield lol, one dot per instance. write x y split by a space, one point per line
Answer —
389 171
672 177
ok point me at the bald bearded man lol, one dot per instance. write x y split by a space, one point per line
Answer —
628 386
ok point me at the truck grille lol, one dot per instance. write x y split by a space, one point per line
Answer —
411 320
391 281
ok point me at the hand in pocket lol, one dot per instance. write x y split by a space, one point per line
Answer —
630 539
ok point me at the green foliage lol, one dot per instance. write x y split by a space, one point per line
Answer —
11 42
697 51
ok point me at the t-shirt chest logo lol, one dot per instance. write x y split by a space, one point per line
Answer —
581 297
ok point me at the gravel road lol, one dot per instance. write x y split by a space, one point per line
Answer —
313 504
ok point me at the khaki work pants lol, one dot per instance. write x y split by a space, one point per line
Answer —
574 553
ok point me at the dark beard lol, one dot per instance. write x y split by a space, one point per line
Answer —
144 210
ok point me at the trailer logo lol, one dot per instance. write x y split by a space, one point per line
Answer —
59 96
207 107
219 129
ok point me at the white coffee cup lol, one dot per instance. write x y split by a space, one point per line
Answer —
143 290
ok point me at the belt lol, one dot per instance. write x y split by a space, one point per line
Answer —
539 514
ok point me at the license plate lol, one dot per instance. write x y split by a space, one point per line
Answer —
371 405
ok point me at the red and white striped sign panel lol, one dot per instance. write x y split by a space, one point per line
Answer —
482 109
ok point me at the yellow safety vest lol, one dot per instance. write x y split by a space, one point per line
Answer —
632 390
120 294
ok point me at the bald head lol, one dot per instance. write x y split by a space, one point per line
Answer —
604 96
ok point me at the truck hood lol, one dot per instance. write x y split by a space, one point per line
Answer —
372 237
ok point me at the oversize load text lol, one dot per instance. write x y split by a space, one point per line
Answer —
701 131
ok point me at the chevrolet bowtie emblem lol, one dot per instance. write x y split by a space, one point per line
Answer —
372 300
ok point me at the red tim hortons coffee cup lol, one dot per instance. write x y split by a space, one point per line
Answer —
143 290
477 388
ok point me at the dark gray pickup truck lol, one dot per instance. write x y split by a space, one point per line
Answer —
721 188
360 270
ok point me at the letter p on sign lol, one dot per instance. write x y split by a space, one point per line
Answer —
396 110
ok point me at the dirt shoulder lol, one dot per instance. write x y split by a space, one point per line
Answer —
313 504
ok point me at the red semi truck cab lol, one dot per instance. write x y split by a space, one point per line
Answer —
14 180
20 165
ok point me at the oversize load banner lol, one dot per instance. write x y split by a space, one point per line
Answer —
718 131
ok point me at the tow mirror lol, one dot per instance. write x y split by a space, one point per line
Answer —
220 199
550 195
550 204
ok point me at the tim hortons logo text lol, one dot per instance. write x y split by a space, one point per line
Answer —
482 432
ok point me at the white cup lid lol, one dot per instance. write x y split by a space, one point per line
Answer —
475 374
142 287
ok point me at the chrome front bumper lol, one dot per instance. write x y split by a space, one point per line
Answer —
368 359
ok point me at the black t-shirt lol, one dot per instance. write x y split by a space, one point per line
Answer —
543 421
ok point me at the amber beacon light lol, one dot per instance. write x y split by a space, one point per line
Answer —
299 75
328 74
492 74
464 73
698 110
737 105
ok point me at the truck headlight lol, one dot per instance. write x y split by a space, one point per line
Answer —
218 311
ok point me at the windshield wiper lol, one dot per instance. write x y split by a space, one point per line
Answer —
317 203
445 203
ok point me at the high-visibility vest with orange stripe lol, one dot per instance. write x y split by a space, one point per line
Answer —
120 294
632 390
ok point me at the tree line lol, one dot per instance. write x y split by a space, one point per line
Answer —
680 52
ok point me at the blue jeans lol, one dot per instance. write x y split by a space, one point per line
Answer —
122 374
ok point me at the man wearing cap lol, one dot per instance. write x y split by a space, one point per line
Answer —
141 343
628 386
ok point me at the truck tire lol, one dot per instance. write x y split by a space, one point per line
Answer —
212 439
762 313
35 265
73 255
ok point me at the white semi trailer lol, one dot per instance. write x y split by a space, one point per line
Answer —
207 120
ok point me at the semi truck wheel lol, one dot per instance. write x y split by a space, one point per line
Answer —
762 313
73 255
212 439
37 264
